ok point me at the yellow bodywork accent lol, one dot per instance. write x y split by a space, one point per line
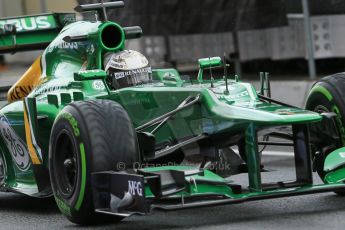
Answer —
34 158
30 79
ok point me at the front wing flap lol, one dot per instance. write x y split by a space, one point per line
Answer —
135 191
119 193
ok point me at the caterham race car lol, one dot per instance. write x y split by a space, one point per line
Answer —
93 125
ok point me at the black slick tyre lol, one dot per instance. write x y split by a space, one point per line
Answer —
88 136
327 95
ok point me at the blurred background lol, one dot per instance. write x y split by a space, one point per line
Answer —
296 40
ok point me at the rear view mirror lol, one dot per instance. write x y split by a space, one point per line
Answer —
96 74
210 62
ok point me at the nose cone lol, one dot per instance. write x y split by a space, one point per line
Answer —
242 103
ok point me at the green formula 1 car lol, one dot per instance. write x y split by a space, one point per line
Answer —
93 125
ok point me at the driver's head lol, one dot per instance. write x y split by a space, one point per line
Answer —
127 68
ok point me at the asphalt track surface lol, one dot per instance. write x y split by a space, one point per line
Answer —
318 211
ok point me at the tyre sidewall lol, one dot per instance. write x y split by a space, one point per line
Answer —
325 95
320 95
79 205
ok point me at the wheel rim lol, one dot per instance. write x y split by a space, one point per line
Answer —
66 164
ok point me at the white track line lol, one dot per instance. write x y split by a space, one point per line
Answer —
277 153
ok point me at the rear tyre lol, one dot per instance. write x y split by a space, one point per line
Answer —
87 137
327 95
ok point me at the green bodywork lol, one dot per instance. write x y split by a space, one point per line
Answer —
334 166
73 71
32 31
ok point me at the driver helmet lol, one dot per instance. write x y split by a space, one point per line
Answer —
127 68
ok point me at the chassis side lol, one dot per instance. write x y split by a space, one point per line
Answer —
203 119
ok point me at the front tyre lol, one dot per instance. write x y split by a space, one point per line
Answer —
87 137
327 95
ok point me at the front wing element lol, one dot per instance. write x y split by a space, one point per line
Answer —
174 188
119 193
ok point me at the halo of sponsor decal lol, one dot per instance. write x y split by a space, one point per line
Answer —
30 23
63 45
98 85
135 188
18 92
15 145
239 95
285 112
134 72
44 89
68 45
